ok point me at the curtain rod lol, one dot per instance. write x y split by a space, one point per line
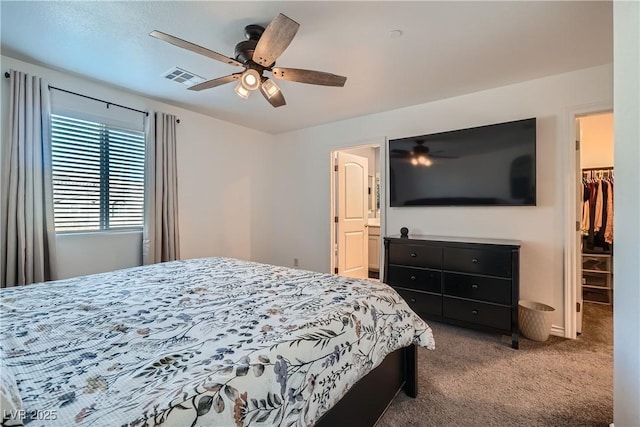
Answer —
146 113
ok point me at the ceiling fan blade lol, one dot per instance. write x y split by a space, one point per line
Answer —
274 40
194 48
215 82
399 153
308 76
277 100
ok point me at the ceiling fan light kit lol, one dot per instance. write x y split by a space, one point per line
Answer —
242 91
421 160
272 93
250 79
258 54
270 87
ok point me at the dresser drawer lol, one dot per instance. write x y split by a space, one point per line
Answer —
478 261
422 303
471 283
414 278
478 313
478 287
415 255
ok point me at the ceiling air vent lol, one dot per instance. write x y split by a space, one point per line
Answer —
183 76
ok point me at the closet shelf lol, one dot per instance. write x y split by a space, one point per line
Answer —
596 287
597 278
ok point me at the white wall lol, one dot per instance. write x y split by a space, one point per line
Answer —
302 223
626 269
222 190
88 253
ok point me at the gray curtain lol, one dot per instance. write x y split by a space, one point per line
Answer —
160 240
27 227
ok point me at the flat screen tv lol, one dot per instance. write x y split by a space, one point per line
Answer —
493 165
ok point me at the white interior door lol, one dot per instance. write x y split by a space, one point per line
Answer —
578 196
353 239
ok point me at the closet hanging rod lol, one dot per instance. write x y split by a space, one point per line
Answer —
606 168
146 113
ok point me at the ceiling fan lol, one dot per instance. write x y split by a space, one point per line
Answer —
420 154
258 54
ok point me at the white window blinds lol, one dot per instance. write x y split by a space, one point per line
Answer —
98 175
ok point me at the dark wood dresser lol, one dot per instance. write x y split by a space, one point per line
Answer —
466 282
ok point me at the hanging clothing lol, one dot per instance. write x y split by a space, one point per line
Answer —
608 232
597 224
597 210
593 192
585 224
599 236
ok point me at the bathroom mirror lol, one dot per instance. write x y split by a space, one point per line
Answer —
374 195
377 190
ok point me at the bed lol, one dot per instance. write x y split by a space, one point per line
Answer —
204 342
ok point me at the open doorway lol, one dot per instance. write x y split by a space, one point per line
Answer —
595 193
355 212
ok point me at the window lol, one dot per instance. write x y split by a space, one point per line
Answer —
98 176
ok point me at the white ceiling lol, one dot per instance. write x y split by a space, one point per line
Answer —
447 49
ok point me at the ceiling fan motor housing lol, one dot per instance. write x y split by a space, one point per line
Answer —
244 50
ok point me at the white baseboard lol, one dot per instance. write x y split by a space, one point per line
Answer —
557 331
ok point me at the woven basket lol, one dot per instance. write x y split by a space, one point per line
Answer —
534 320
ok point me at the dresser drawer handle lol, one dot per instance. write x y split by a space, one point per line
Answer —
413 255
413 277
475 260
474 286
474 312
413 300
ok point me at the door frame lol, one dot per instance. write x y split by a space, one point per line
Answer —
572 266
381 144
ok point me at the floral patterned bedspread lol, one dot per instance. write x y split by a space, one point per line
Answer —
202 342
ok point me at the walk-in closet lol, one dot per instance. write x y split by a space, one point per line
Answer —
597 195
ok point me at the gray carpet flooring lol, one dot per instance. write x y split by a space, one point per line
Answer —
476 379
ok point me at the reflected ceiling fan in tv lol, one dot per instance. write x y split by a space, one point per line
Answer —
420 154
492 165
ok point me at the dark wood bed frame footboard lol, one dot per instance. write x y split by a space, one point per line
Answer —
369 398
